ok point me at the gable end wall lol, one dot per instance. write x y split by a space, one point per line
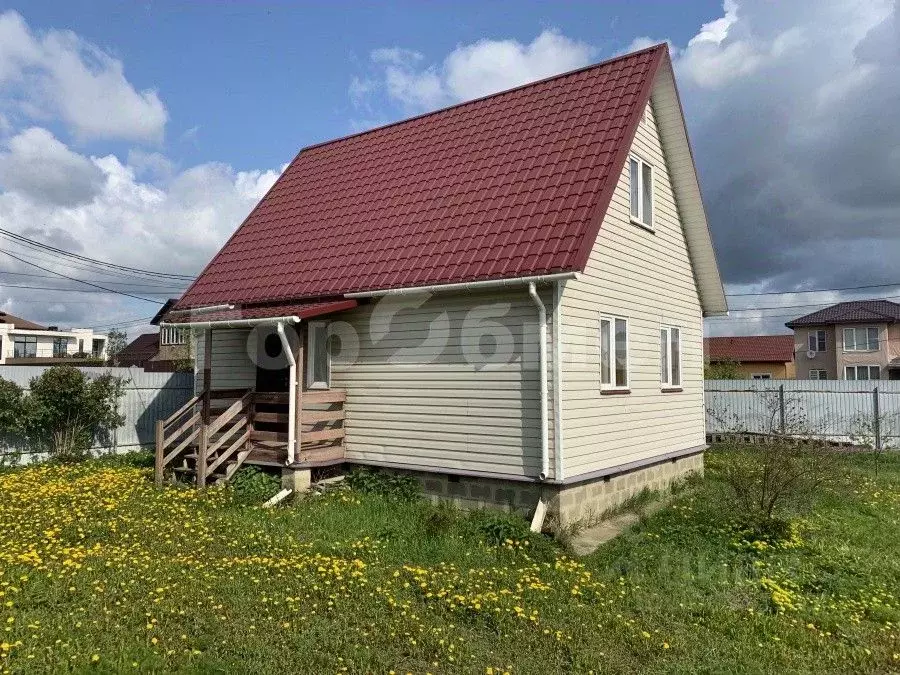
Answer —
646 277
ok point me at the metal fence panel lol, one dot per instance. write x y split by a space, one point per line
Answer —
147 397
838 410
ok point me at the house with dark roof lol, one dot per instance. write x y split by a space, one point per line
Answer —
503 298
168 350
24 342
756 357
856 340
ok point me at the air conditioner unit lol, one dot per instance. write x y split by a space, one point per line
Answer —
811 354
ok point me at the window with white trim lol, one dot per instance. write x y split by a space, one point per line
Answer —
862 373
613 352
172 335
641 185
318 360
817 340
861 339
818 374
670 356
760 376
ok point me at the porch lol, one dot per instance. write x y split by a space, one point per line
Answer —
225 427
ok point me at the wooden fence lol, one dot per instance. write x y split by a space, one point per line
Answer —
147 397
863 412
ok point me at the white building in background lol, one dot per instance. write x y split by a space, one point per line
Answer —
25 342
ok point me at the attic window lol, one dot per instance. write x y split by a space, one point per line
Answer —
641 183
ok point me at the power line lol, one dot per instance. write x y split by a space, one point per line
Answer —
815 290
69 254
70 290
128 295
105 281
811 304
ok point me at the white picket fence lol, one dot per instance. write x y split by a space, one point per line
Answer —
858 412
147 397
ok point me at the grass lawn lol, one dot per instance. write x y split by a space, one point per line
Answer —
101 572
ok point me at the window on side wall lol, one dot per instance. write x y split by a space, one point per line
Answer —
613 353
641 184
760 376
60 347
318 360
817 340
818 374
862 373
24 346
670 356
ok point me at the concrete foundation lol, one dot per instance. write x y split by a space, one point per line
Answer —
585 500
298 480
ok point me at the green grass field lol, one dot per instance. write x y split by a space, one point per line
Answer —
102 572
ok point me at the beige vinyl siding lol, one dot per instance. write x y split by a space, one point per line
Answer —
414 399
231 366
645 277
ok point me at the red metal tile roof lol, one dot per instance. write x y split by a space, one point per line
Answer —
750 348
510 185
303 310
854 311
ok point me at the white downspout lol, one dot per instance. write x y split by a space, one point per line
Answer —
542 360
292 393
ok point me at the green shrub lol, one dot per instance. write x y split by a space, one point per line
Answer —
11 413
402 487
252 485
498 527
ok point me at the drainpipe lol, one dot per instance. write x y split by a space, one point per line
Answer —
292 393
542 360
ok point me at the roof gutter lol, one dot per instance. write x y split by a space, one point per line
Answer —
200 310
233 323
466 285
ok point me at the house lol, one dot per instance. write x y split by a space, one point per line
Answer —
856 340
25 342
757 357
503 298
164 351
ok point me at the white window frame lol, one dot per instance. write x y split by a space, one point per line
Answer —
311 347
640 218
760 376
812 341
611 361
819 372
670 382
868 368
856 342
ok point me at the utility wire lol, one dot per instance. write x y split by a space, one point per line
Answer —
72 290
69 254
87 283
104 281
815 290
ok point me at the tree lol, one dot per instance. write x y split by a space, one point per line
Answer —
65 412
722 370
11 413
116 341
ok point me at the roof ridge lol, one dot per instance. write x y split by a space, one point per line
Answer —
550 78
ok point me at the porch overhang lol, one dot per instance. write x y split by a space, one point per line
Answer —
256 315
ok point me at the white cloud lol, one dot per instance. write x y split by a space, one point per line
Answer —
59 75
174 223
41 168
469 71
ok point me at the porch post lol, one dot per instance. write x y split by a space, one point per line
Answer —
207 375
159 455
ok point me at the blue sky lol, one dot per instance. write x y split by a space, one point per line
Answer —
249 83
143 133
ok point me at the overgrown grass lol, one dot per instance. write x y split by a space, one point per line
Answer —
98 570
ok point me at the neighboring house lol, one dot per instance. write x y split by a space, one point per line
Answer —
167 350
504 297
25 342
857 340
757 357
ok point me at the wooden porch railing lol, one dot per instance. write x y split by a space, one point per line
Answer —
210 434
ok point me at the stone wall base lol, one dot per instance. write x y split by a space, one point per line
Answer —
585 500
